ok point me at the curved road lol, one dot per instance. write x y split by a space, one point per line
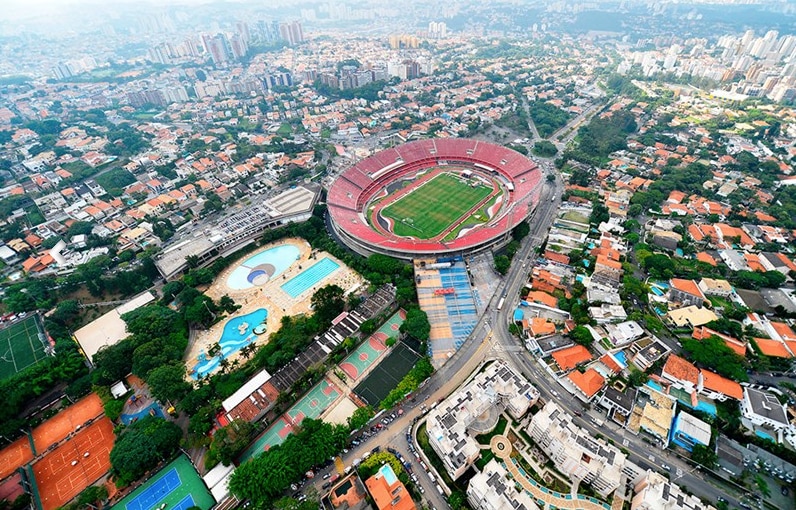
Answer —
491 338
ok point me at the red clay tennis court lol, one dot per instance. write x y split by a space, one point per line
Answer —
14 456
65 471
65 422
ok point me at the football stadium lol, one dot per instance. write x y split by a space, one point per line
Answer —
433 197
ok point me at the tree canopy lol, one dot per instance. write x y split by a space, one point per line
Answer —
141 446
714 354
416 324
328 302
264 478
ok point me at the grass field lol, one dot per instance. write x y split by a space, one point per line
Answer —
20 347
427 211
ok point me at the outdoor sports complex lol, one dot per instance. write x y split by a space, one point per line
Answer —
432 197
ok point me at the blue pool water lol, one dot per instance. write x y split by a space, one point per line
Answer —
388 474
259 269
656 291
760 433
309 277
238 333
622 357
127 419
655 386
580 278
706 407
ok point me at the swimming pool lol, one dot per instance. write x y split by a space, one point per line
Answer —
259 269
388 474
655 386
656 291
238 333
309 277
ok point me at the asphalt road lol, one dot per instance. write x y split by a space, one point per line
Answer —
491 338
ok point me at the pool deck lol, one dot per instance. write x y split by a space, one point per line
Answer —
269 296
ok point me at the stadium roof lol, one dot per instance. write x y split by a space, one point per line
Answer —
354 188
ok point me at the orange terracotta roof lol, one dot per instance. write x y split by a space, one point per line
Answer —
389 497
773 348
571 356
715 382
556 257
602 260
589 382
783 330
689 286
753 261
785 260
681 369
695 232
544 298
609 362
706 258
541 326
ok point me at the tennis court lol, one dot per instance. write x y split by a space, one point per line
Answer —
366 355
63 472
158 490
178 485
387 374
22 345
14 456
67 421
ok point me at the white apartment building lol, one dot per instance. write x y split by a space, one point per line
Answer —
473 409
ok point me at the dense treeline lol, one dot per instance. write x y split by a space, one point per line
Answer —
602 136
264 478
547 117
20 390
141 446
97 275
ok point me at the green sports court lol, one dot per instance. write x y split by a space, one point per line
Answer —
22 345
386 376
371 350
178 485
312 405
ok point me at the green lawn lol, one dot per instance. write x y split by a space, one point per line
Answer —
20 347
427 211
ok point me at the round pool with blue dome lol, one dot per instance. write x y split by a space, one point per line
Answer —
261 268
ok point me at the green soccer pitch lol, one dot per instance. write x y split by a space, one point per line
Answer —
433 207
20 347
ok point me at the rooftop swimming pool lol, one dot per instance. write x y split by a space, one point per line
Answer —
238 333
388 474
309 277
261 268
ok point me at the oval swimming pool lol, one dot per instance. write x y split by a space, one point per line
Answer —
259 269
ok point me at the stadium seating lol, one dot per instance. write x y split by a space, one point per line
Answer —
356 187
